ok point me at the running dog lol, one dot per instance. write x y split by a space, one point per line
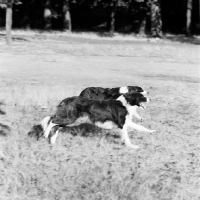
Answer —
99 93
104 114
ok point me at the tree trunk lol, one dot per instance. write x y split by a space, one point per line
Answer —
113 12
67 25
189 17
9 21
47 15
156 21
112 23
143 23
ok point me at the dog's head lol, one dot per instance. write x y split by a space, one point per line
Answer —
136 99
136 89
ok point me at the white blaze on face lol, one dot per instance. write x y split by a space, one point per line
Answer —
123 90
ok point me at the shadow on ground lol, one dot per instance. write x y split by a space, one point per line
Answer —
84 130
184 39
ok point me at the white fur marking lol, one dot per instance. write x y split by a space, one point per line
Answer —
131 109
106 125
54 137
123 100
123 90
144 92
44 122
148 100
47 131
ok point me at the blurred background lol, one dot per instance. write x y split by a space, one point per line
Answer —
153 17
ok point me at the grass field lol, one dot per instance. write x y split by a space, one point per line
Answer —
38 71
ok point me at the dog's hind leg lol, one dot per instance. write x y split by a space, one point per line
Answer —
54 137
48 129
45 122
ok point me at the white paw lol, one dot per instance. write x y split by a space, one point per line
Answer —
45 135
54 137
52 141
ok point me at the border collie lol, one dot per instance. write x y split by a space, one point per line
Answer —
99 93
104 114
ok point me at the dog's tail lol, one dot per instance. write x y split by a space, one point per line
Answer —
38 130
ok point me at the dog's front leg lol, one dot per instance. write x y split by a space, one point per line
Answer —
139 127
126 138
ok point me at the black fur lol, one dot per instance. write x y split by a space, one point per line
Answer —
36 131
72 108
99 93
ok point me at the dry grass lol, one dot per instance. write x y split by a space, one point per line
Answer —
98 166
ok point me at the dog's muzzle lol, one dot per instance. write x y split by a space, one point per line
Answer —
144 92
148 100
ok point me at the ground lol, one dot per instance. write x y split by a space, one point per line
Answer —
38 71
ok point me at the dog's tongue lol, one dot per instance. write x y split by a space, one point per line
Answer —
142 106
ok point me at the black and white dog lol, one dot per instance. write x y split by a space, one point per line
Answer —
104 114
99 93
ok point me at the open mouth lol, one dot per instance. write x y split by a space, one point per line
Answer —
142 106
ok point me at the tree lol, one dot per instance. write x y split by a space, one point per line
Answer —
67 25
9 21
8 4
114 4
156 21
188 17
